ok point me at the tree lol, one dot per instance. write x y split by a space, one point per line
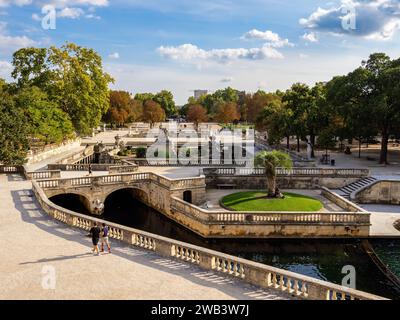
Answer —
326 140
298 98
13 133
254 104
227 113
277 120
144 97
120 108
44 120
71 76
370 95
166 100
197 113
152 112
270 160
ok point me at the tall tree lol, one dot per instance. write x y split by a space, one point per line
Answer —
197 114
227 113
152 112
166 100
71 76
44 120
13 131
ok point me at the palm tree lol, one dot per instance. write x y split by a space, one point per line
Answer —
271 160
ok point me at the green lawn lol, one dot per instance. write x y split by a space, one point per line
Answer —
249 201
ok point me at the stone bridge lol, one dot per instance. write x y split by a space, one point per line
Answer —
153 190
179 200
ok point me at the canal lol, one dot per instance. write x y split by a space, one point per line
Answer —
318 258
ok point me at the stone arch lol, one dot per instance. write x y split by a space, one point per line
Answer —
71 198
136 192
188 196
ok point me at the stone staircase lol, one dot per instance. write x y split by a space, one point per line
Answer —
349 189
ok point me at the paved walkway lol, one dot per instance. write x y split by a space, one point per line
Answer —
31 242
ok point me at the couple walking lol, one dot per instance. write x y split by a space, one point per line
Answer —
98 234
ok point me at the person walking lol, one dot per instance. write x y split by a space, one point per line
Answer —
95 233
90 169
104 238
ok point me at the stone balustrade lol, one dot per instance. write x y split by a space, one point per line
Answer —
11 169
314 172
41 175
295 285
200 163
173 184
260 218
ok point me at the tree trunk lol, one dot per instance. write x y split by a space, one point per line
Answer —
298 143
271 186
288 142
312 141
384 147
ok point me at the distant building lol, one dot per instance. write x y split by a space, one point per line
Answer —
199 93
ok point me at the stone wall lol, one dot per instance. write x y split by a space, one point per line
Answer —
288 182
52 151
381 192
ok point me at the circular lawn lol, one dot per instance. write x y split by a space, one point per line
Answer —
257 201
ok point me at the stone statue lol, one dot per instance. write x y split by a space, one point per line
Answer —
309 149
98 207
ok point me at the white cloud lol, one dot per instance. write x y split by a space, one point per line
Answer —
9 44
374 19
114 55
20 3
71 13
190 52
80 3
310 37
272 38
5 70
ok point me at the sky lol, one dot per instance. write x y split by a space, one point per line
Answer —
151 45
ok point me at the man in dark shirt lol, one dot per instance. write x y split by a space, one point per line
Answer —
95 233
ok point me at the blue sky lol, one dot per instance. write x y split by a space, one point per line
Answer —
185 45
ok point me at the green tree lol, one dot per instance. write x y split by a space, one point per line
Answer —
369 99
270 160
71 76
166 100
44 120
13 134
277 120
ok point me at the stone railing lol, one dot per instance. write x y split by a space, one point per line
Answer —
11 169
340 201
263 218
293 284
298 172
79 167
177 163
172 184
41 175
125 167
